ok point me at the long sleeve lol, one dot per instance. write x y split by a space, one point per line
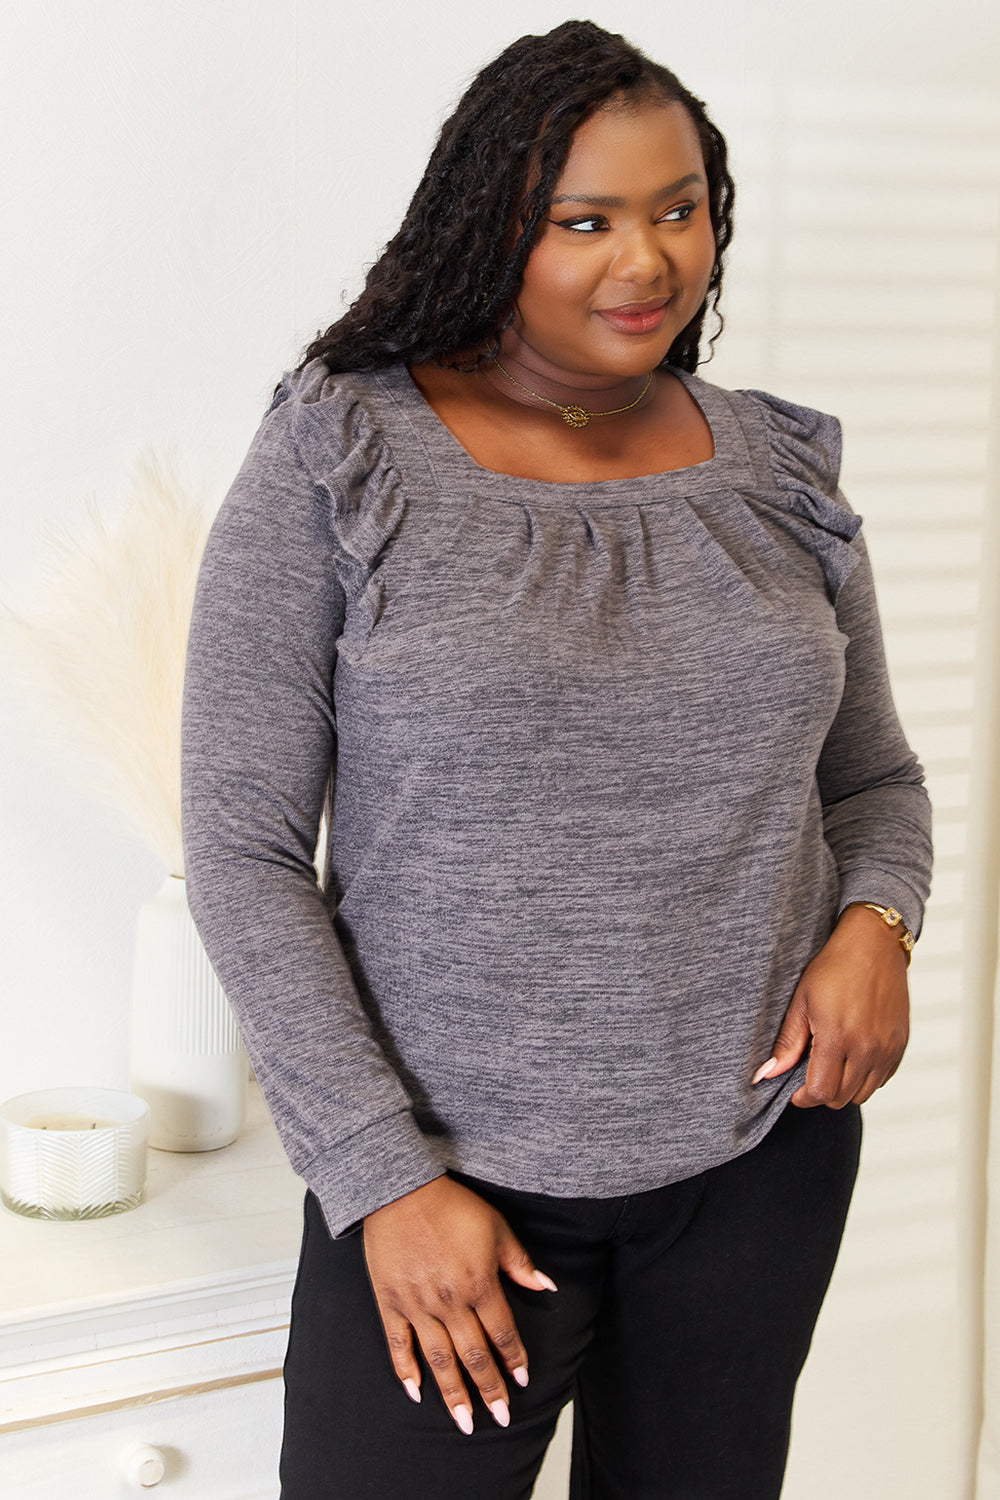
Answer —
876 812
258 754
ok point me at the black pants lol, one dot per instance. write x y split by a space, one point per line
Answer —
680 1326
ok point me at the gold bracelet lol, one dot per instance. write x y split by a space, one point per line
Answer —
893 918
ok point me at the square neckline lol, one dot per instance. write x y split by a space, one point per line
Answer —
431 424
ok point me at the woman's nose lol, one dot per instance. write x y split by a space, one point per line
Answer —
640 255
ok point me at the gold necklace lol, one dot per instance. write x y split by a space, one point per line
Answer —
574 416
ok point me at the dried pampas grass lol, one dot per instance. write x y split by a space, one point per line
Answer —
106 646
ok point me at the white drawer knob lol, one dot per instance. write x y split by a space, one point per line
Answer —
144 1466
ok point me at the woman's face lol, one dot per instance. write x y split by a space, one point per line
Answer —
623 262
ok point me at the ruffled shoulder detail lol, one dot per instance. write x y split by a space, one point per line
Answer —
804 447
339 442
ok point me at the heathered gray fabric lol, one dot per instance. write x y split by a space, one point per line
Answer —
609 761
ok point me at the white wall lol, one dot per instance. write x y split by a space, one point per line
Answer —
189 190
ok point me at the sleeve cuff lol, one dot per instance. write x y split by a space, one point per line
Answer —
377 1165
885 890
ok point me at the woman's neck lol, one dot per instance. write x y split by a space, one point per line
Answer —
522 374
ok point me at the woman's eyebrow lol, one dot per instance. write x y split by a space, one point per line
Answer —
596 200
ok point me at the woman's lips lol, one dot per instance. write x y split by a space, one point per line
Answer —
634 317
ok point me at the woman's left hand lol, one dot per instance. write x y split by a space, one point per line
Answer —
851 1009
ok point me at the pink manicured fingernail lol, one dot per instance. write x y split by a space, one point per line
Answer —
520 1375
765 1070
412 1389
501 1412
463 1417
546 1281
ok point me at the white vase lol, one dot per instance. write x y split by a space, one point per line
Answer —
186 1058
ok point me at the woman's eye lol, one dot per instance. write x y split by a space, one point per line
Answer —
583 226
595 223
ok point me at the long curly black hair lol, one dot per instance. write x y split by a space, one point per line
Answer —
448 280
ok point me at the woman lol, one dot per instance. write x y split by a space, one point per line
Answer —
626 845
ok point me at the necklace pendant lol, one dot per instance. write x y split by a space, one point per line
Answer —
575 416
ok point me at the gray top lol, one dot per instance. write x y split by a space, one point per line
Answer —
610 758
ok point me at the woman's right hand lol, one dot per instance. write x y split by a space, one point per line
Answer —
433 1259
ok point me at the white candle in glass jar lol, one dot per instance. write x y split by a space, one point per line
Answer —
68 1122
73 1153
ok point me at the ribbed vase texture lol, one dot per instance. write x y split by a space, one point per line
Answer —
187 1061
